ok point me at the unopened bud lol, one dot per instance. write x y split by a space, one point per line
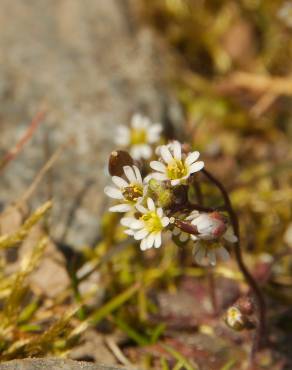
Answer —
118 159
161 193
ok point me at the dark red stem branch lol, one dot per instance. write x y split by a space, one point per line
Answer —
261 328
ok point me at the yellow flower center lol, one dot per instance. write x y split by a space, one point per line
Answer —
138 136
152 222
133 192
176 170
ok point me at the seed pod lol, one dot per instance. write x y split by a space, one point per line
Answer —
118 159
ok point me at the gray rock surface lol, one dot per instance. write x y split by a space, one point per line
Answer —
92 67
53 364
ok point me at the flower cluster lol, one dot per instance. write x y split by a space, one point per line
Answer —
152 187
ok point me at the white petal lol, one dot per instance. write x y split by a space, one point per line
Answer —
150 204
200 254
223 253
192 157
129 172
175 182
212 257
158 166
143 245
159 176
165 221
141 234
197 166
129 232
177 150
121 208
183 237
155 128
137 121
127 221
113 192
141 209
230 236
159 212
138 175
118 181
146 151
136 152
176 231
150 240
165 154
137 224
194 237
157 242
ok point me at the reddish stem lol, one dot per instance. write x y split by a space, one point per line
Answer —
261 327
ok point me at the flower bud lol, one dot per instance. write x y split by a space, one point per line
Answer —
235 319
118 159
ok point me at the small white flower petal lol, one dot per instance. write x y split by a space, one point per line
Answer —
150 204
141 234
127 221
199 254
176 231
223 253
150 240
157 241
129 172
121 208
195 167
146 151
159 212
192 157
135 152
141 209
138 175
158 166
212 257
230 236
129 232
177 150
119 182
137 224
159 176
165 221
175 182
113 192
165 154
183 237
143 245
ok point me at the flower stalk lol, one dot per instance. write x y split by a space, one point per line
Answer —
261 327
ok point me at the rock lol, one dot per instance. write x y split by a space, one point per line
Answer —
92 66
53 364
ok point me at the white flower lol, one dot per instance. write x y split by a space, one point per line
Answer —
141 133
175 168
210 227
127 192
148 228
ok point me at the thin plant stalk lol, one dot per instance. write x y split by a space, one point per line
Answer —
261 327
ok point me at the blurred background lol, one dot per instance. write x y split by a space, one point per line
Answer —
217 74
